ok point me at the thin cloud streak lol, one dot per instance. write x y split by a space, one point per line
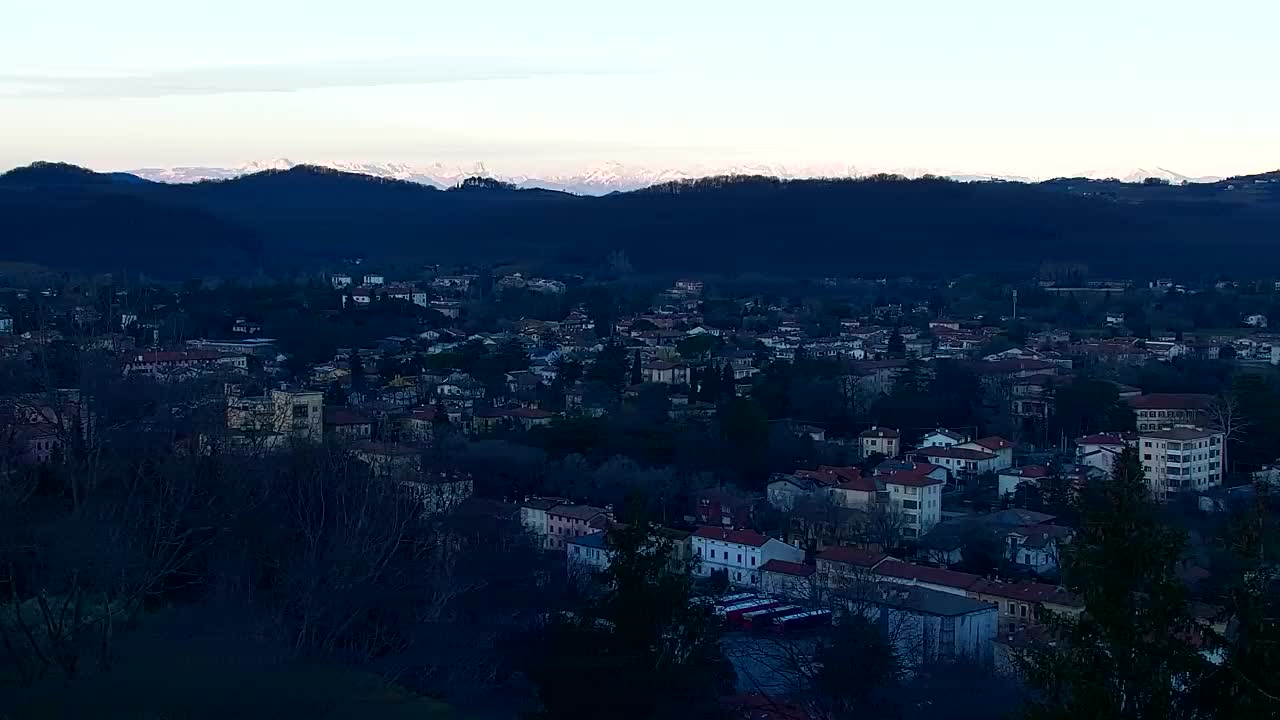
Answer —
298 77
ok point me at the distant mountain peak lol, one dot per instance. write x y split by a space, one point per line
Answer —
609 176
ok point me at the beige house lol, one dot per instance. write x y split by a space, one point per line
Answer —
885 441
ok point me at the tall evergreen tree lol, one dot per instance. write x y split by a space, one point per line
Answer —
1131 653
897 346
695 374
636 376
727 380
641 648
1245 684
355 366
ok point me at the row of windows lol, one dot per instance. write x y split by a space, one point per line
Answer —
726 556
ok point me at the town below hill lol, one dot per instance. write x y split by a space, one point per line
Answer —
507 489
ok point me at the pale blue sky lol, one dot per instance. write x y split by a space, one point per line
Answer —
1025 87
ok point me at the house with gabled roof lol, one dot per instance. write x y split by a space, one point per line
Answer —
914 489
996 445
738 554
941 438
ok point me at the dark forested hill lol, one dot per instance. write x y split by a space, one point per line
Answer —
65 216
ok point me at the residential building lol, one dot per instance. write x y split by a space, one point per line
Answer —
784 490
6 322
1164 410
941 438
347 423
533 517
783 578
374 279
389 459
567 521
1038 547
939 579
840 567
854 490
1100 450
915 489
173 365
259 346
295 414
438 492
593 552
340 280
928 626
739 554
996 445
1018 603
716 506
1010 479
589 553
665 372
885 441
960 462
1182 459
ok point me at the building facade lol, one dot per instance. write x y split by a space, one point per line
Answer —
1181 459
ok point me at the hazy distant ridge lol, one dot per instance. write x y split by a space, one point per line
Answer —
610 177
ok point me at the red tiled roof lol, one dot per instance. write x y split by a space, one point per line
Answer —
737 537
859 484
1100 439
917 475
822 477
852 556
783 567
878 433
1171 401
1032 592
995 442
844 473
933 576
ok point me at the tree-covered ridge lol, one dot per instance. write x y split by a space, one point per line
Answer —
305 216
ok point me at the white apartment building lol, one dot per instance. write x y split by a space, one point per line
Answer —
738 553
914 489
1181 459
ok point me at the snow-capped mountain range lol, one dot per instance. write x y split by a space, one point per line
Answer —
610 177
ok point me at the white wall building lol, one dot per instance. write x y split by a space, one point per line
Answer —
1181 459
941 438
960 461
738 553
915 489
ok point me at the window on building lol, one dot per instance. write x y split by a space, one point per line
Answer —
739 558
753 561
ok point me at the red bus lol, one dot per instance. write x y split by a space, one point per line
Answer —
801 620
762 618
734 617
